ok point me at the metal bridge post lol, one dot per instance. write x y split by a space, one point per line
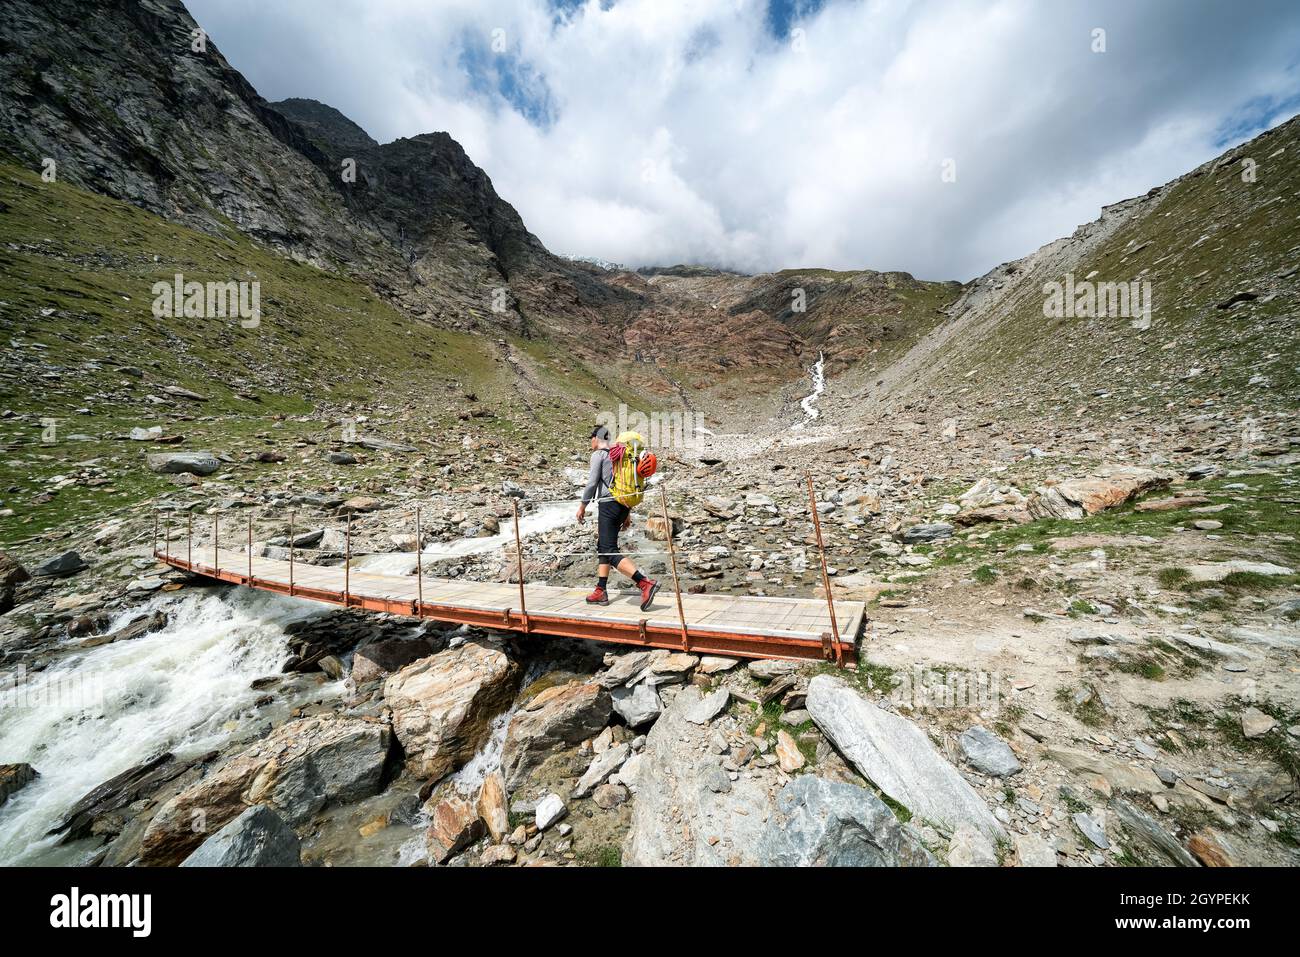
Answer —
250 550
189 539
167 536
419 567
826 578
347 565
291 516
216 551
672 557
155 532
519 561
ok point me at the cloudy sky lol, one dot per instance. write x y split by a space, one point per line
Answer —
941 137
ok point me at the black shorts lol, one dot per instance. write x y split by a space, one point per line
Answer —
610 518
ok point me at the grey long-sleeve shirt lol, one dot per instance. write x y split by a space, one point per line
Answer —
599 476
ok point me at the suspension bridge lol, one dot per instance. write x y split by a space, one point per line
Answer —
741 626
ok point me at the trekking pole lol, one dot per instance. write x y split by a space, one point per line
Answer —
826 578
519 562
419 568
672 557
347 565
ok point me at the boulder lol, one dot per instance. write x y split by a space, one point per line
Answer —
767 669
455 825
1033 851
494 806
1076 498
550 810
1256 724
11 571
382 658
638 705
987 753
1217 571
298 769
176 463
60 566
788 755
680 815
442 705
897 757
932 532
601 767
561 716
622 668
14 777
120 790
1118 775
709 707
833 824
257 838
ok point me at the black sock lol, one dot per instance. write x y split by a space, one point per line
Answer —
637 577
602 581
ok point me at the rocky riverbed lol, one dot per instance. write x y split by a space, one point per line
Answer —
1070 660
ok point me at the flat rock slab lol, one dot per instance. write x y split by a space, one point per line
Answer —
1217 571
898 758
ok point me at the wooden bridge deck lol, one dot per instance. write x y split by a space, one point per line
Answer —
736 626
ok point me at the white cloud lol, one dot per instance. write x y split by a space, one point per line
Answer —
684 131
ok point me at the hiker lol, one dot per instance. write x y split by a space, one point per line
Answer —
617 481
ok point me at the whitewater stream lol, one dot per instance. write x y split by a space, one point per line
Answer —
185 688
544 519
88 717
809 402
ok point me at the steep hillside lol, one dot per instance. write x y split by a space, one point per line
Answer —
85 354
1219 252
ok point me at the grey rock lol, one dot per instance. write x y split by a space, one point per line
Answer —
766 669
1090 829
897 757
601 767
69 563
677 819
969 848
931 532
175 463
987 753
382 658
257 838
638 705
709 707
550 809
1146 831
1033 851
834 824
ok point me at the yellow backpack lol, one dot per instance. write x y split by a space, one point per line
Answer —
628 487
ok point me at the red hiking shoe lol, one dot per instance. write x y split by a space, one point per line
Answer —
598 597
649 587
